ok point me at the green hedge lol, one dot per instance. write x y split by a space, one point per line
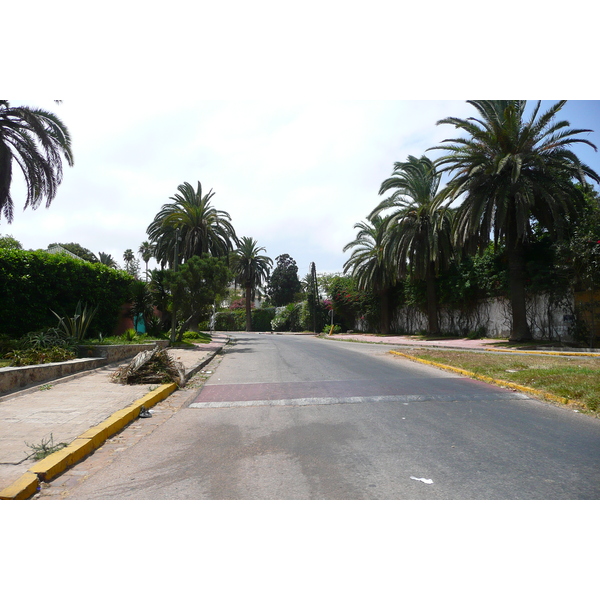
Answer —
235 320
34 283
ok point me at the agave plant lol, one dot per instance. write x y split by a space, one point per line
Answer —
77 326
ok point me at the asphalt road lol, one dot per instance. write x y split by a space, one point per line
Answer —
296 417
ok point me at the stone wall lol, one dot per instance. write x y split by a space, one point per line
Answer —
491 318
17 378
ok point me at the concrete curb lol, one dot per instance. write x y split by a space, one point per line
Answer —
498 382
57 462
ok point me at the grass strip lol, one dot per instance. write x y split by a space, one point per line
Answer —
560 379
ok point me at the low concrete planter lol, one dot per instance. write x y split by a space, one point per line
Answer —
118 352
13 379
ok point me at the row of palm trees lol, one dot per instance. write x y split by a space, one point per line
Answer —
507 172
190 226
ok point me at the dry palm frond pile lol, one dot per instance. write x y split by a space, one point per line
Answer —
151 366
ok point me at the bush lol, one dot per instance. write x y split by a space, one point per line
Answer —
38 356
34 283
287 318
196 336
261 319
233 320
336 329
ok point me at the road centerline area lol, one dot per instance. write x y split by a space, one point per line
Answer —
342 392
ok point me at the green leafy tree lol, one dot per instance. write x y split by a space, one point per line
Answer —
194 287
508 171
251 270
284 283
418 229
79 250
37 141
9 243
578 261
192 226
368 264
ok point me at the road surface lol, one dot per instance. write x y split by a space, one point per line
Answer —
297 417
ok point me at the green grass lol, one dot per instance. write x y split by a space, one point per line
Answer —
197 337
574 378
117 340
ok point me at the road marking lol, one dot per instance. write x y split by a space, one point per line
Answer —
351 400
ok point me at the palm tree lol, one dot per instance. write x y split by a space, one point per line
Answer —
146 251
418 230
200 227
251 269
35 139
368 264
108 260
511 171
128 257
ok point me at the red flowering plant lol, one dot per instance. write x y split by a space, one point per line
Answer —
240 304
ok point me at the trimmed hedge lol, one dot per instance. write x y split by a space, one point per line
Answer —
235 320
34 282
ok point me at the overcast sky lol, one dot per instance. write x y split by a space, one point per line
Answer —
292 117
294 175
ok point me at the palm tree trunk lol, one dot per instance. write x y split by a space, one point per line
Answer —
520 331
432 316
248 308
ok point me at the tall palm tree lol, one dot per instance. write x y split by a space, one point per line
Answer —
35 139
201 228
146 251
368 264
510 170
128 257
418 230
251 269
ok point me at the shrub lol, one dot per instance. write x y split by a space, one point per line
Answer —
130 335
38 356
33 283
287 318
336 329
261 318
51 337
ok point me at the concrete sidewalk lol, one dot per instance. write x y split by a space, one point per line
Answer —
489 344
68 407
409 340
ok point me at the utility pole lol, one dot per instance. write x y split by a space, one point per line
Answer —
315 292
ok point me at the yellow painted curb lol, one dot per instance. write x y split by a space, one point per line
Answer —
155 396
57 462
499 382
23 488
49 467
